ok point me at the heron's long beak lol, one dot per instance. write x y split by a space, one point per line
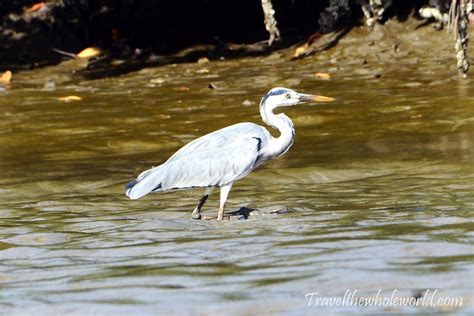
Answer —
316 98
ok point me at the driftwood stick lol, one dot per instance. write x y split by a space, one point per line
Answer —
458 22
270 21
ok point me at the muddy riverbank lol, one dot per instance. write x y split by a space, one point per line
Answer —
140 31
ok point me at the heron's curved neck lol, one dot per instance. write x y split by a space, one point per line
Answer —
278 145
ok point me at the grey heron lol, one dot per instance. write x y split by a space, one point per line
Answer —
220 158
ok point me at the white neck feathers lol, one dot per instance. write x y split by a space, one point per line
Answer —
279 145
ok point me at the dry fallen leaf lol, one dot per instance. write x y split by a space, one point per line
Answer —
35 7
300 50
303 48
6 77
203 60
322 75
89 52
70 98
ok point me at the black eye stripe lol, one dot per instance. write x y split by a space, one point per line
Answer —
276 92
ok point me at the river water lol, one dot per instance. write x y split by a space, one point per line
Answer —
380 185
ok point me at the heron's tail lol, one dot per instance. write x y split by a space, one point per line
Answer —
148 181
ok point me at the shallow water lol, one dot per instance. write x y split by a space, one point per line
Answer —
381 181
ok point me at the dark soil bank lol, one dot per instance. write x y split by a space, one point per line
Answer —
30 29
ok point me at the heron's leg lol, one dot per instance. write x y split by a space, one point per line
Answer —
196 213
224 194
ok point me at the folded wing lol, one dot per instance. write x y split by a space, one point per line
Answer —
215 159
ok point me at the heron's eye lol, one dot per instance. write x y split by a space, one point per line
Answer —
287 95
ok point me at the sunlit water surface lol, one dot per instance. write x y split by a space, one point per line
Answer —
381 183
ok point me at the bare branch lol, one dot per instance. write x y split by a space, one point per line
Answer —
270 21
458 22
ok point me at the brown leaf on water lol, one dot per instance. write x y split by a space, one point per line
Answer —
6 77
322 75
89 52
70 98
203 60
35 7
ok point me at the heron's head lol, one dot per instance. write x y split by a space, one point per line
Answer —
286 97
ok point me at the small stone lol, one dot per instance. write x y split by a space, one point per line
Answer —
157 80
50 85
203 60
248 103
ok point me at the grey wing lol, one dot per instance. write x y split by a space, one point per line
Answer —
212 167
215 159
234 135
